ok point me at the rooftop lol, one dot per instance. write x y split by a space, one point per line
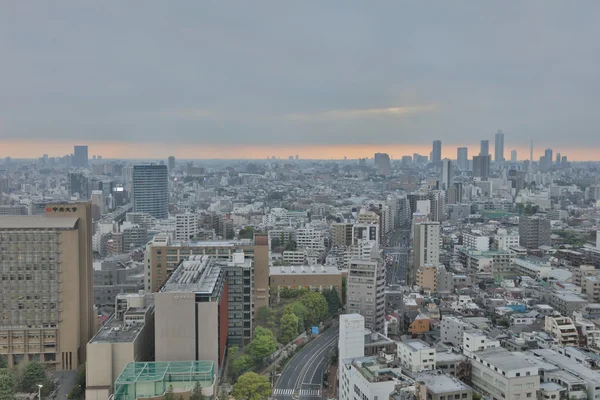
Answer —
504 359
37 222
199 274
116 331
312 269
417 344
441 383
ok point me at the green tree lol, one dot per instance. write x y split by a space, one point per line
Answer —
264 315
34 374
7 385
252 386
242 364
231 353
289 328
299 311
344 289
262 345
333 301
197 392
246 233
317 308
3 362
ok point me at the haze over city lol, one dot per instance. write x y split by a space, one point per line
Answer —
323 80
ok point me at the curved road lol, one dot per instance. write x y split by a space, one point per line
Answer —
303 374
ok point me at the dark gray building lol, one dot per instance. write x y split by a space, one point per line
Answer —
151 190
80 156
117 275
534 232
240 281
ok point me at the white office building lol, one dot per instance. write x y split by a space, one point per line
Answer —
416 355
186 227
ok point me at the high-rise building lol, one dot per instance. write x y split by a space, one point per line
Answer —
548 157
499 147
151 190
382 162
46 295
557 159
484 149
446 174
534 232
78 185
481 166
426 247
513 156
462 158
186 226
436 153
365 294
171 164
80 156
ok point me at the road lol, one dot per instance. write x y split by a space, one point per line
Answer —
399 249
303 374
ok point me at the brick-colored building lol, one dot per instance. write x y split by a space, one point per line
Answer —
315 277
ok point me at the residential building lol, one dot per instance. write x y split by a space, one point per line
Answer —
476 241
342 234
315 277
192 307
240 281
436 153
563 329
590 286
481 166
500 374
186 226
427 277
128 336
426 247
416 355
504 240
566 303
151 190
534 232
439 386
452 330
366 291
462 158
46 269
446 176
476 340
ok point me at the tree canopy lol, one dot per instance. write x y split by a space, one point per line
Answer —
252 386
34 374
7 390
289 327
333 301
263 344
317 308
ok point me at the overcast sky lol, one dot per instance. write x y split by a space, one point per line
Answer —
301 73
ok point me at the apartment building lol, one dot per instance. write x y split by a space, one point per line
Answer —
416 355
186 226
476 340
563 330
427 277
46 296
581 272
534 232
342 234
476 241
426 247
500 374
590 285
366 291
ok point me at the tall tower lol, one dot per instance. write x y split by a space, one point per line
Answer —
171 163
151 190
426 247
462 158
80 156
446 174
499 147
436 153
513 156
484 148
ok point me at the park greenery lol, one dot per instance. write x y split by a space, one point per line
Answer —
251 386
24 378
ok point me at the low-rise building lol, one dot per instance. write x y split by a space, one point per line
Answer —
416 355
476 340
439 386
563 329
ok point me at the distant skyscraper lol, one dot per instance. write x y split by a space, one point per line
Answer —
564 161
151 190
462 158
499 147
446 174
557 158
485 148
382 162
548 156
78 185
80 156
481 166
171 163
436 153
513 156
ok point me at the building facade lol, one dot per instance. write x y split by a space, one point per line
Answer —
366 291
151 190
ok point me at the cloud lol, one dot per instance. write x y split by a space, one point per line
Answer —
360 113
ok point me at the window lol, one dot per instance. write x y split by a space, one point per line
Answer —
529 394
518 374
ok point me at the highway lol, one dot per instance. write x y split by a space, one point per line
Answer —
302 376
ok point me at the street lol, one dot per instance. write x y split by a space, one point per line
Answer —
303 374
398 250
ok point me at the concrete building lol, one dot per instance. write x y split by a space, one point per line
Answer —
427 277
476 241
192 313
46 270
484 148
438 386
114 277
426 247
446 176
366 291
462 158
534 232
151 190
314 277
500 374
416 355
436 153
452 330
13 210
481 166
504 240
171 164
80 156
186 226
499 148
342 234
566 303
128 336
590 285
240 281
475 340
563 330
351 340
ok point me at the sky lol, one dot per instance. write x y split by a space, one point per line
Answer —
321 79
